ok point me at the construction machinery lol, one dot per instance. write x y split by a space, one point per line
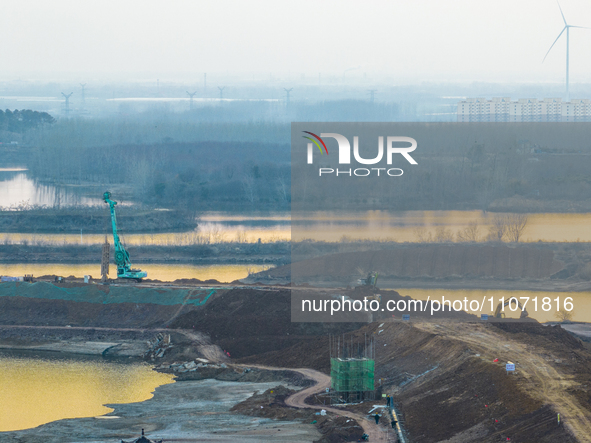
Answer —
122 261
370 281
499 314
377 297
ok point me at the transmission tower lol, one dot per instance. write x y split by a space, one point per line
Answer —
191 95
67 97
372 94
287 91
221 91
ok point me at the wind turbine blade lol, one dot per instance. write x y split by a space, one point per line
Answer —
582 27
561 13
553 44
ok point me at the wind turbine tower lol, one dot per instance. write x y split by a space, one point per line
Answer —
372 93
67 97
221 88
567 28
287 91
191 95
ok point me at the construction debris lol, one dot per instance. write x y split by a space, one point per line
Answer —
158 346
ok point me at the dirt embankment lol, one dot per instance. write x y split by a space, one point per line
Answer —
41 312
253 321
429 261
277 253
442 375
447 386
504 266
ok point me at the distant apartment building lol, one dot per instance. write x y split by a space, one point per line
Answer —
502 109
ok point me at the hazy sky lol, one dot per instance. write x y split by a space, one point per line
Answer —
432 40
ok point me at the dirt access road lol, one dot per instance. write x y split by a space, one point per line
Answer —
543 381
298 400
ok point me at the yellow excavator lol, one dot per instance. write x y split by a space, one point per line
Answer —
499 314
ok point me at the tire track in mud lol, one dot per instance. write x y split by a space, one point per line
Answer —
298 400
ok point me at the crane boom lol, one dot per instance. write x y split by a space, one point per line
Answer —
122 261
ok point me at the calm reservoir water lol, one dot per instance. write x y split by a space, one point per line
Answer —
17 188
164 272
214 227
34 391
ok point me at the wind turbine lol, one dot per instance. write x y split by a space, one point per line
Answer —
567 28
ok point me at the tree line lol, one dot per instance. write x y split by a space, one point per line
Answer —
504 227
21 121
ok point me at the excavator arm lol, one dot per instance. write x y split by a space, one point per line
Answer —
499 314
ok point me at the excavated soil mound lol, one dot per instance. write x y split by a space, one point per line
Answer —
36 312
252 321
447 391
77 304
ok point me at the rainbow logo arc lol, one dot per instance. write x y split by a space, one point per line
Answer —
316 142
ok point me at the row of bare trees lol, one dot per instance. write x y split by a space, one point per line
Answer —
508 227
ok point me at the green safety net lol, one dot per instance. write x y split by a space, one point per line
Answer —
352 374
108 294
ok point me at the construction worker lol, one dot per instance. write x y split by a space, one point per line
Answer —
558 417
377 417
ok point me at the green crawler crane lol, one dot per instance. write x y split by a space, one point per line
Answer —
121 255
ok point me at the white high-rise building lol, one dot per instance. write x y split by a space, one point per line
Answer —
502 109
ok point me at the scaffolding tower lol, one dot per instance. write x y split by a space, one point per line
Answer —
352 370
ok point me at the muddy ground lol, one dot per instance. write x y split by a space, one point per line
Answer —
442 375
448 389
271 404
190 411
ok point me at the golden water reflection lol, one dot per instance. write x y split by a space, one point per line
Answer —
401 226
163 272
35 391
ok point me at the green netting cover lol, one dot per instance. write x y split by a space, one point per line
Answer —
352 374
107 294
